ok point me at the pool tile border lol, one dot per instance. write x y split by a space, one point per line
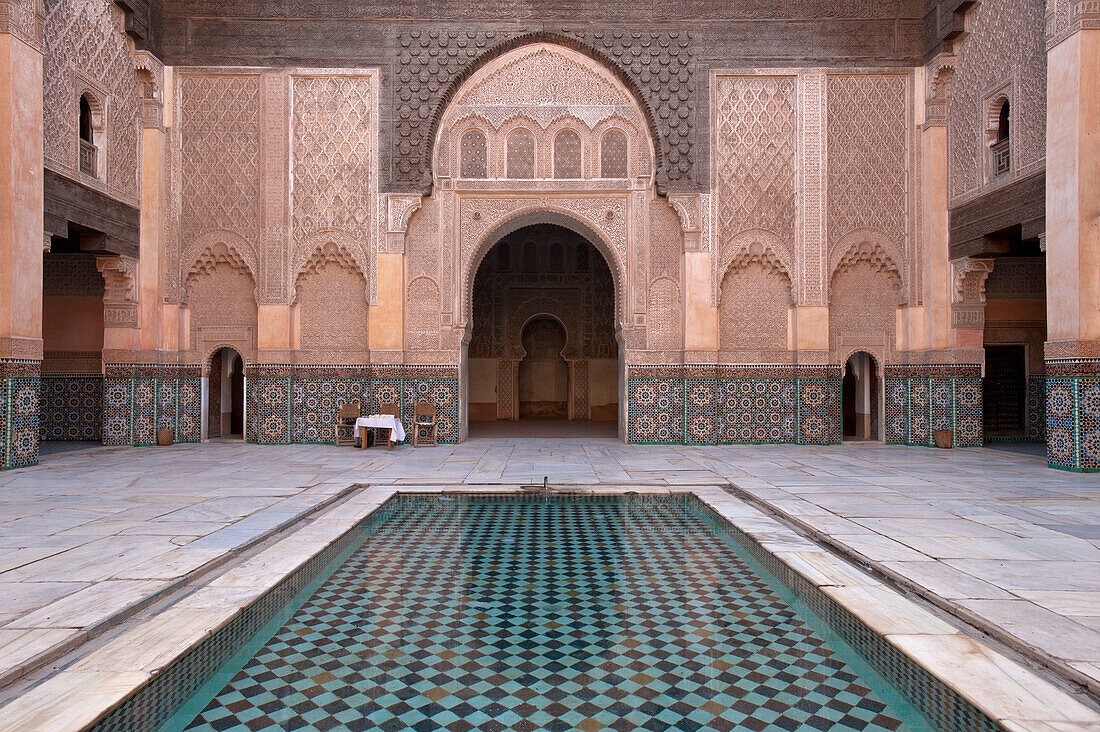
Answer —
992 684
985 690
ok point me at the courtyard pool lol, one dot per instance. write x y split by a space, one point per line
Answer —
521 612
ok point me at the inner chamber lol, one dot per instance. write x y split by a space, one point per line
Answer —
543 349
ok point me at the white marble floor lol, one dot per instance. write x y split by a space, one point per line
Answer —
87 537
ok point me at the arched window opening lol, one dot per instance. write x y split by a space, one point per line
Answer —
521 154
567 155
473 154
613 153
89 154
1001 148
85 119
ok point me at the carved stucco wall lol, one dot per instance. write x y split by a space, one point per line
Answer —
332 310
432 63
1002 54
755 163
809 169
277 201
87 52
542 89
868 167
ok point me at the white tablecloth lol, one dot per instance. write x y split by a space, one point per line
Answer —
397 430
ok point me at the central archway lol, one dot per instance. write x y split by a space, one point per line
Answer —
543 346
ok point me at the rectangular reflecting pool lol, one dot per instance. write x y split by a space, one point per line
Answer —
519 612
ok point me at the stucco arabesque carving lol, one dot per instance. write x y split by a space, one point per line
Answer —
150 72
939 76
749 247
754 247
434 64
121 288
23 19
694 214
968 279
215 250
875 249
329 247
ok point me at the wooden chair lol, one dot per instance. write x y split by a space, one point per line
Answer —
392 410
345 422
424 419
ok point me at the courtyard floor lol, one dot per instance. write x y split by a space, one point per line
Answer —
993 537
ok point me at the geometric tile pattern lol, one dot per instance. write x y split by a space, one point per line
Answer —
656 410
135 407
757 411
819 416
524 614
19 397
1036 409
70 408
1073 416
302 409
922 399
666 408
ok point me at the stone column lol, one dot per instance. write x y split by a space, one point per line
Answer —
387 312
153 203
930 327
21 230
1072 236
700 311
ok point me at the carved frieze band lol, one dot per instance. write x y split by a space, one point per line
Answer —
22 19
812 189
1066 17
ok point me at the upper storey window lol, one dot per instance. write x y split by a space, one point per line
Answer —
567 155
88 154
473 164
1000 150
613 154
521 154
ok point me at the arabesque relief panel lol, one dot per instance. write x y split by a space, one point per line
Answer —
86 52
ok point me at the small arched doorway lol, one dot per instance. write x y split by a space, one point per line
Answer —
543 372
225 395
860 397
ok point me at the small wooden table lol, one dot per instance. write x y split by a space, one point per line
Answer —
394 429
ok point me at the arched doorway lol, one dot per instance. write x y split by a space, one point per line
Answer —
860 397
543 372
225 395
543 359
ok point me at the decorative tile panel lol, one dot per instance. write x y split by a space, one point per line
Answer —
145 411
1073 414
1036 409
733 404
70 408
701 411
897 410
118 405
819 411
298 404
20 434
923 398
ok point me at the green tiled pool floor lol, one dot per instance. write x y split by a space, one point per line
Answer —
491 614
